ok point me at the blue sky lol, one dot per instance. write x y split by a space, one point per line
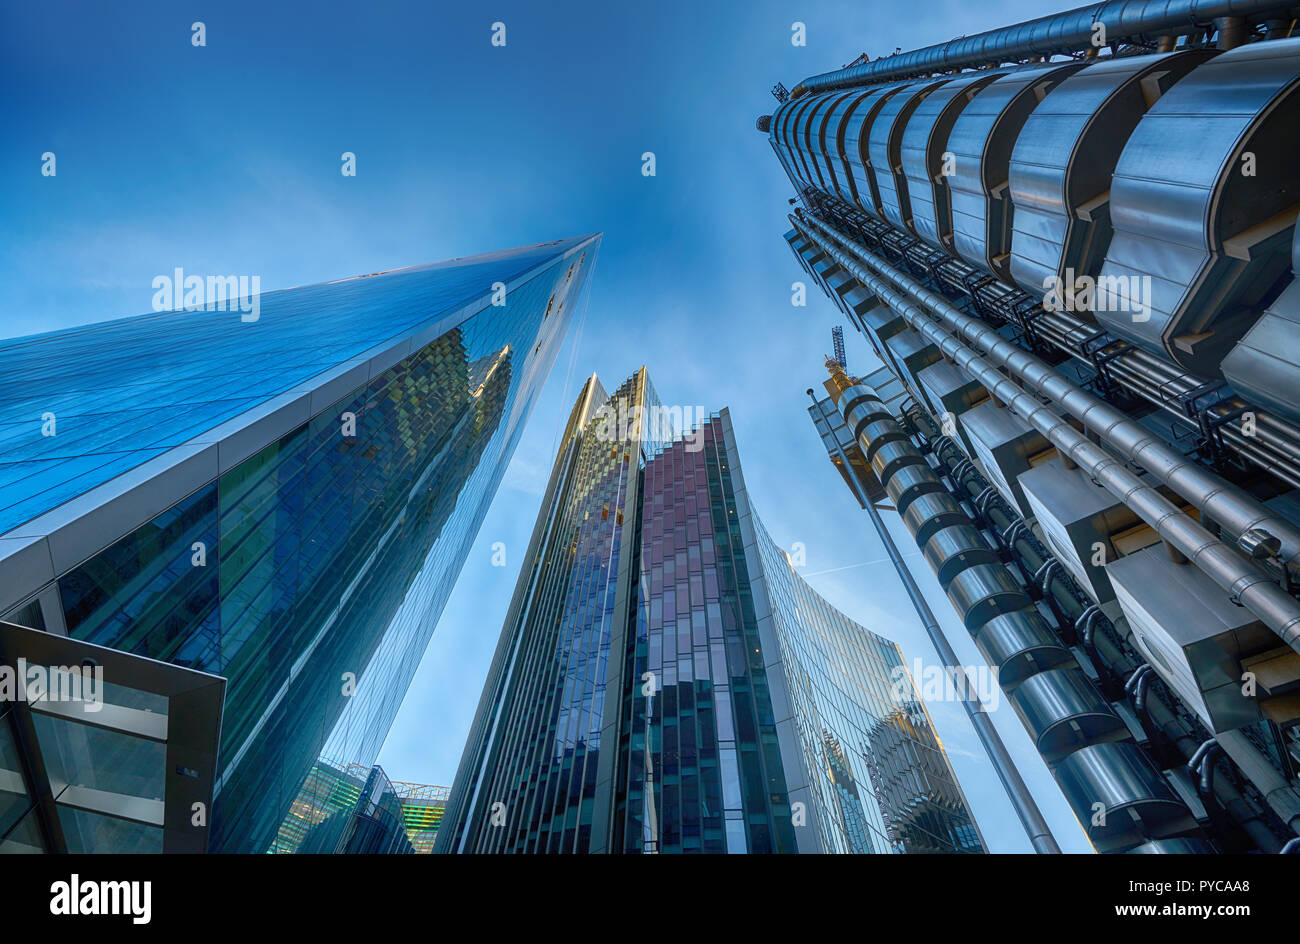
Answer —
226 159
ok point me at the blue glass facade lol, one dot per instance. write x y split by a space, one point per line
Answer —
311 572
666 683
125 391
350 810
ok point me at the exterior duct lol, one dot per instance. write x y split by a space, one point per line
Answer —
954 549
1114 653
984 591
1241 430
1019 645
1056 34
1065 713
1281 795
1231 507
909 483
932 512
1136 803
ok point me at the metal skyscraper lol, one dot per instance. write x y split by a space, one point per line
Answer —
1073 241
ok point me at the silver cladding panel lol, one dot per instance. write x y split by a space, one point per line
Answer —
842 145
822 143
1265 364
981 142
1002 444
857 133
808 137
1119 777
1074 516
912 350
885 146
1064 158
782 139
921 154
951 386
1179 195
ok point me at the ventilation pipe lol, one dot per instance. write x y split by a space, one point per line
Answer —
1232 31
1019 656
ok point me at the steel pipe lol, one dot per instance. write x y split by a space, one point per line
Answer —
1229 505
1078 30
1283 799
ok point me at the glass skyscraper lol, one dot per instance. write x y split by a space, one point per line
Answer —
666 682
284 502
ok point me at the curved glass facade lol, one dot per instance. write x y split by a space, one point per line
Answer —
311 574
881 778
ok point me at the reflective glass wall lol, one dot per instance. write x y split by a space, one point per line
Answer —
536 782
701 768
311 574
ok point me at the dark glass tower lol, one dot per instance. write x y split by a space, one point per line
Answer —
666 682
284 502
